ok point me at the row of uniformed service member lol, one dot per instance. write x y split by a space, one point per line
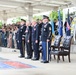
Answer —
28 35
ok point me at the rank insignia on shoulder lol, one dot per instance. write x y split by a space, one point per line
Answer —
49 28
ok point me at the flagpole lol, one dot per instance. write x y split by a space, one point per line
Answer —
73 29
58 21
59 8
64 19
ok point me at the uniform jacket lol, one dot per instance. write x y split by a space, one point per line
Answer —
35 33
20 33
46 32
28 33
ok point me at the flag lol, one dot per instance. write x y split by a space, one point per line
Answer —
52 24
68 26
60 27
68 31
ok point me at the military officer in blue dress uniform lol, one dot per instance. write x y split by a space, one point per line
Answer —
35 40
46 36
21 35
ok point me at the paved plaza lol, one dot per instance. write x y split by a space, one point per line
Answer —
37 68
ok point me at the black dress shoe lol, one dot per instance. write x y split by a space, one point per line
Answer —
21 56
35 59
27 57
44 61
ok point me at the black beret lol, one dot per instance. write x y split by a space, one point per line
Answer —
23 20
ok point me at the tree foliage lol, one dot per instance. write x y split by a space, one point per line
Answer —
1 24
37 17
54 15
16 20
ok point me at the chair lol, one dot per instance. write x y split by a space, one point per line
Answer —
55 47
63 50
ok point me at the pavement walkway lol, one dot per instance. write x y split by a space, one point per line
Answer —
52 68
